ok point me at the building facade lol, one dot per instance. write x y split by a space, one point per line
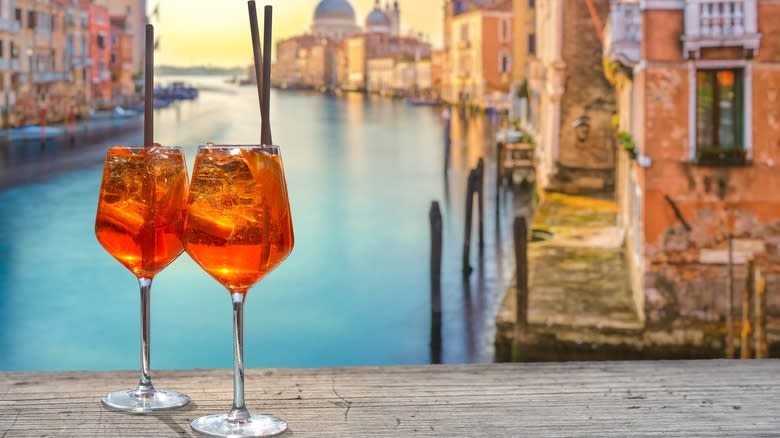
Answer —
571 101
698 86
121 64
523 53
480 55
100 53
10 67
134 12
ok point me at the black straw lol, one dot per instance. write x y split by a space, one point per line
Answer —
258 57
267 30
149 88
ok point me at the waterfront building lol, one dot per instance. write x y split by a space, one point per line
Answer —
135 26
399 76
121 67
438 58
380 74
291 61
41 87
571 100
523 52
9 59
698 86
451 9
480 54
336 54
359 49
319 69
77 59
100 52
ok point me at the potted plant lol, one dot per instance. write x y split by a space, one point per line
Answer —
626 140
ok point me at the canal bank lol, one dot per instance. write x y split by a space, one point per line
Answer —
580 304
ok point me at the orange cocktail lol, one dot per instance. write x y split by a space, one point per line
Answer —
238 225
142 207
140 221
238 230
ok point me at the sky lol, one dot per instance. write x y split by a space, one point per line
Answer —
211 32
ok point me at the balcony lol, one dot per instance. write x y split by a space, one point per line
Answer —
50 76
80 61
43 32
7 25
720 23
623 34
9 65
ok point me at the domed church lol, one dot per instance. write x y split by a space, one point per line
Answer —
335 19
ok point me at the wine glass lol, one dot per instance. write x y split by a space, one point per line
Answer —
140 221
238 230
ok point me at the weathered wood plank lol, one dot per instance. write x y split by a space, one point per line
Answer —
678 399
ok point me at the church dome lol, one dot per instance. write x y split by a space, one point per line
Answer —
334 9
377 18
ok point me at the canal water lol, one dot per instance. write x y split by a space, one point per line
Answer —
362 172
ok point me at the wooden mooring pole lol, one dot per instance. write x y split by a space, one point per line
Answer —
436 250
730 304
447 142
762 350
499 151
747 297
521 272
480 188
470 189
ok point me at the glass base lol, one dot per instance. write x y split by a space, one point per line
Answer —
138 402
256 426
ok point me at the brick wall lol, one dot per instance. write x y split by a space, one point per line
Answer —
685 270
588 94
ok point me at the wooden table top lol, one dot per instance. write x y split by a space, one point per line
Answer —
596 399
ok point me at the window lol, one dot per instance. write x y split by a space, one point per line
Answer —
113 58
2 51
31 19
101 43
532 44
14 51
464 32
18 16
504 63
504 31
719 116
531 4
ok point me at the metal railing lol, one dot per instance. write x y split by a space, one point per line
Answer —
50 76
7 25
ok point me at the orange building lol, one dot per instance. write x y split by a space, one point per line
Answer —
699 120
121 65
99 51
480 55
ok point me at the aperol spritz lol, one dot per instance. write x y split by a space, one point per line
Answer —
140 221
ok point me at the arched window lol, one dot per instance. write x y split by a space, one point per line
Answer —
504 62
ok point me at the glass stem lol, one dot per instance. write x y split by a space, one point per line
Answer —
145 387
238 413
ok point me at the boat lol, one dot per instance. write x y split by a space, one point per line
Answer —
422 101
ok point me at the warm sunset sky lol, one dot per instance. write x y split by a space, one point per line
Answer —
211 32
